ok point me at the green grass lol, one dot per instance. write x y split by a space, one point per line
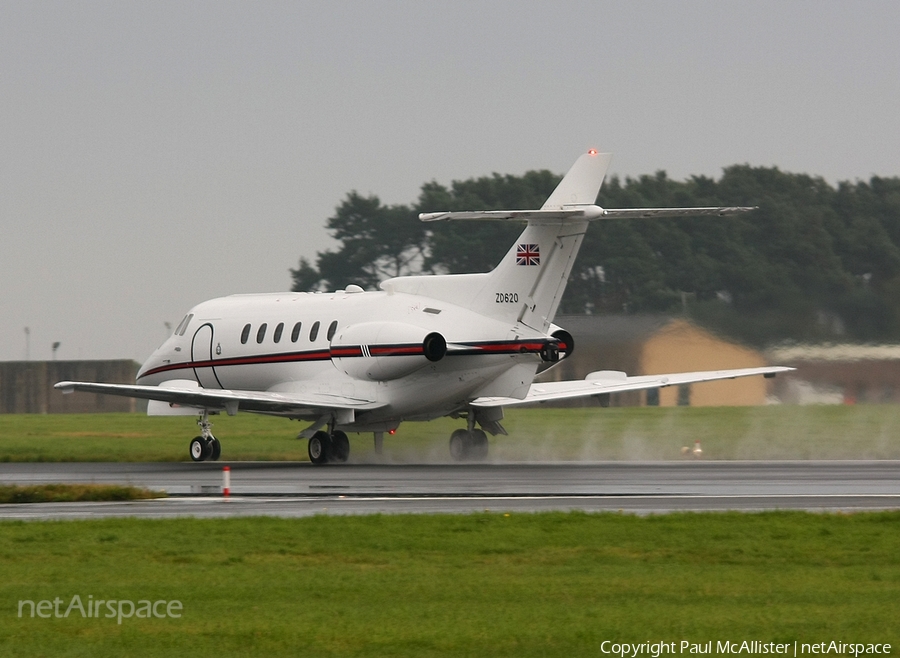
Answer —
477 585
68 493
777 432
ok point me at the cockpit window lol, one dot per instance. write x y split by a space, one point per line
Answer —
245 334
314 332
331 329
295 332
278 330
183 325
261 333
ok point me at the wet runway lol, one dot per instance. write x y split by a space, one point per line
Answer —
300 489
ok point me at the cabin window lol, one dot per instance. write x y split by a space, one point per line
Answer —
295 333
245 334
261 333
314 332
278 331
331 329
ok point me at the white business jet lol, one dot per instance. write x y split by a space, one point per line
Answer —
422 347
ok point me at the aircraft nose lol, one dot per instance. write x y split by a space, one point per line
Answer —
152 363
145 367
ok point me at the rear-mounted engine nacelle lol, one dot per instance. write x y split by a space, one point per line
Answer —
381 351
561 348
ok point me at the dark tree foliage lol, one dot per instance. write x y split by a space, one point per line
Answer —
377 242
457 247
815 262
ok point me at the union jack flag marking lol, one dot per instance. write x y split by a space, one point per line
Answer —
528 254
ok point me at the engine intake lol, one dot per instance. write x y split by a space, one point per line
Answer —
560 349
565 343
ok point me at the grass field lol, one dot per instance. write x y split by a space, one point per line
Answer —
775 432
478 585
69 493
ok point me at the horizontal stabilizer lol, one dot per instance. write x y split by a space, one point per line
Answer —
579 212
601 383
636 213
589 212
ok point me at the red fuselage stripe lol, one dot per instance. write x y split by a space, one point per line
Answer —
353 351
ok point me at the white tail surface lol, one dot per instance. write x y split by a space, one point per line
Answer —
528 284
581 185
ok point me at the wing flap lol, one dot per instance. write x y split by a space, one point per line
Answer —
602 383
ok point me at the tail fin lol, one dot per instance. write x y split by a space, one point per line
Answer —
581 185
539 263
528 284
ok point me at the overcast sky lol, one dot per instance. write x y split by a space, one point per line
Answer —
158 154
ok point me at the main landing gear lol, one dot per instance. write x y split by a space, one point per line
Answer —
468 445
205 446
324 447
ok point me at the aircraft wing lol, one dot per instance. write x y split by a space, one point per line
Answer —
226 400
607 381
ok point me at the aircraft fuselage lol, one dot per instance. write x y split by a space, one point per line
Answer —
365 345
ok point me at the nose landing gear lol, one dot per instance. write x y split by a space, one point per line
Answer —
205 446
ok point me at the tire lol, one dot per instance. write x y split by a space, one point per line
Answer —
319 448
459 445
340 447
215 449
478 447
200 449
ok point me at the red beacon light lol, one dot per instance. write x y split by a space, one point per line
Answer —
592 151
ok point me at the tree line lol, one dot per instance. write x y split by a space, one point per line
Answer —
815 262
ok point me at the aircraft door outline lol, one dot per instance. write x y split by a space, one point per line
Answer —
202 353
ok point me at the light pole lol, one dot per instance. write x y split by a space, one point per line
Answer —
27 344
55 347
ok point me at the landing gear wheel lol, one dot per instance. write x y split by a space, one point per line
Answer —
478 446
465 445
340 447
200 449
215 449
459 445
319 448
